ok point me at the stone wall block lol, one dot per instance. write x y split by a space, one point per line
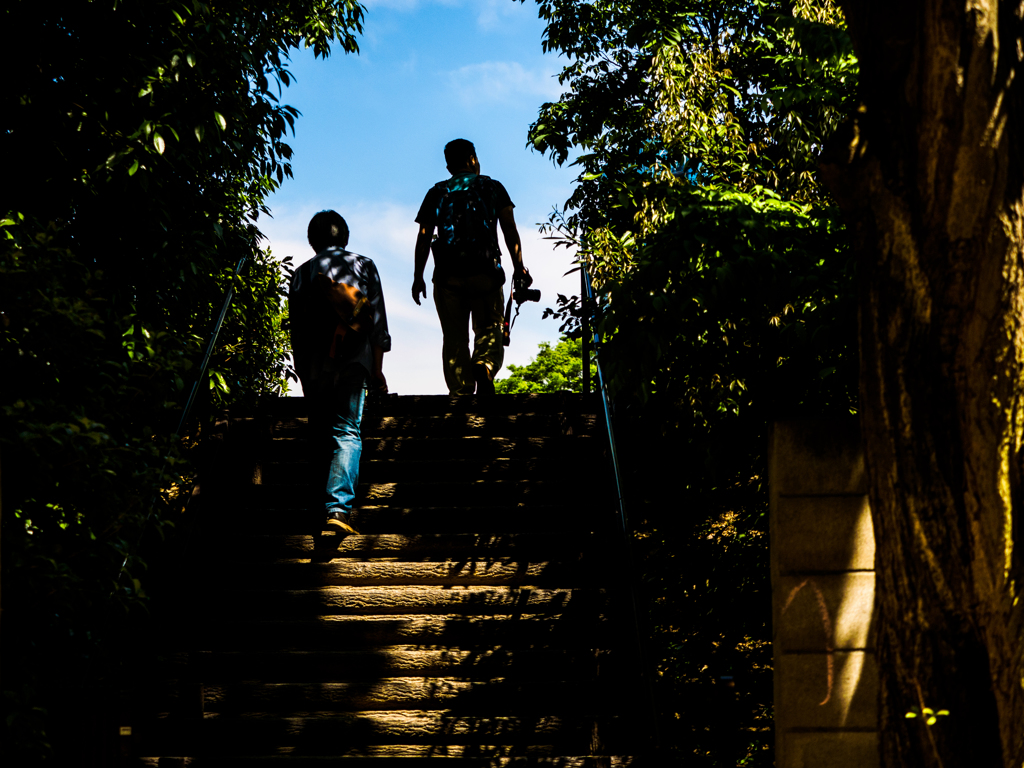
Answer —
823 596
836 750
815 694
817 458
825 610
823 533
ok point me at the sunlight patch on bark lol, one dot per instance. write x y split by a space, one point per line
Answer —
1005 495
934 567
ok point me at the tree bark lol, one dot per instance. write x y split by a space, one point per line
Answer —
928 173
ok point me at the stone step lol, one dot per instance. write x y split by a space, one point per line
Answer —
482 663
560 402
466 600
433 405
404 755
426 547
446 425
467 571
478 446
592 696
609 629
377 519
495 696
569 469
293 449
330 732
508 493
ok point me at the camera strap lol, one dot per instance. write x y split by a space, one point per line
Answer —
510 320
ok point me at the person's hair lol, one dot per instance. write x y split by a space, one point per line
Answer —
325 229
458 153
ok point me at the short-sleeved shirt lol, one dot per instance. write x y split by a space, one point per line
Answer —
492 190
313 320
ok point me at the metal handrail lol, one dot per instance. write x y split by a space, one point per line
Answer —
606 402
209 347
228 298
624 519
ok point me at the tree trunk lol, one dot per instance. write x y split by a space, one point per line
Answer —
928 173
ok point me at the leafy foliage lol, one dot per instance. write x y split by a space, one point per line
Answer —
142 140
723 295
727 93
737 302
554 369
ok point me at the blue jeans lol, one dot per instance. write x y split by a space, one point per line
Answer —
335 415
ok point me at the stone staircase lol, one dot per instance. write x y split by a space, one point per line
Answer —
481 618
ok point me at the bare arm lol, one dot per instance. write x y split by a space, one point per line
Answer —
377 375
419 287
515 246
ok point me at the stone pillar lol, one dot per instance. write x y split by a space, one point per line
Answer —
823 590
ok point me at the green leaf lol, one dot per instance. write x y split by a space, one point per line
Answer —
116 100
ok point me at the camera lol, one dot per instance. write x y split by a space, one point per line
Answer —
521 288
520 292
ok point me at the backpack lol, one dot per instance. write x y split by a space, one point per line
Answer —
466 242
355 317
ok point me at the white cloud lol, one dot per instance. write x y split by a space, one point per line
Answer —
495 12
500 81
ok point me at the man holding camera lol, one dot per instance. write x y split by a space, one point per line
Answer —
468 276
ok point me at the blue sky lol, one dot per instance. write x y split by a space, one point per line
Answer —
370 143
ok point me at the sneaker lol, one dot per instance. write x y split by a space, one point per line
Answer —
338 522
484 383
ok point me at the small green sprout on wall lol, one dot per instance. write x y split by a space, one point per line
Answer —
931 717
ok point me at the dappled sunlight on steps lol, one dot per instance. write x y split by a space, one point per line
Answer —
481 617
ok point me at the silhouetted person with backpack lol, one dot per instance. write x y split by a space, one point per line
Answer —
468 275
339 331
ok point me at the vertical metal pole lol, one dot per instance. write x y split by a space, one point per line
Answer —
585 351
